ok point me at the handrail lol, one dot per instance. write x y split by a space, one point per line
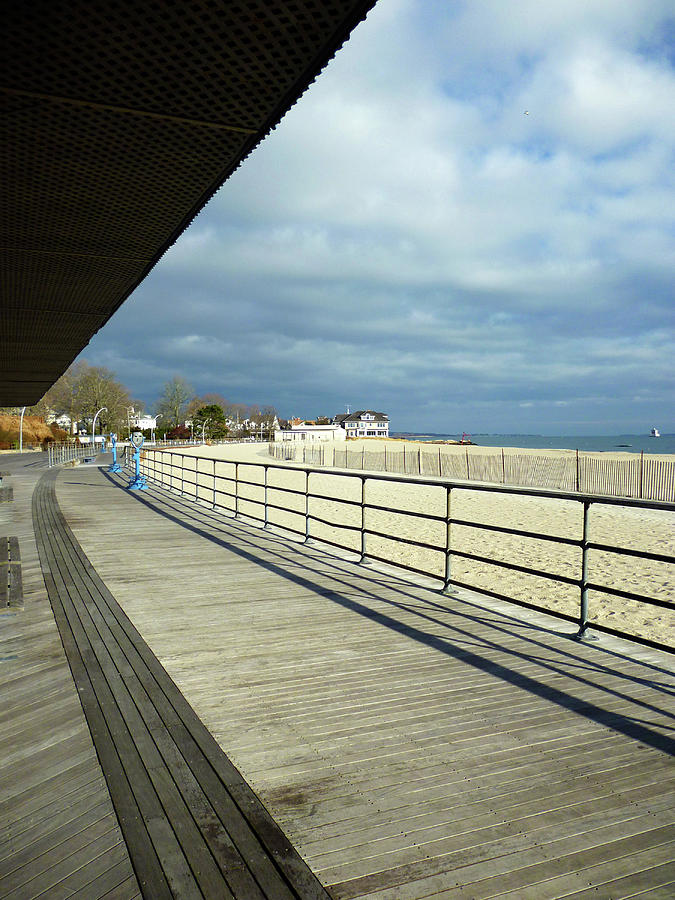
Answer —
67 451
224 491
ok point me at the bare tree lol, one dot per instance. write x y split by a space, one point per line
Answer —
205 400
267 420
62 398
97 387
173 402
81 391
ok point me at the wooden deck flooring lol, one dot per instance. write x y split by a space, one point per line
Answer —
59 835
192 825
410 745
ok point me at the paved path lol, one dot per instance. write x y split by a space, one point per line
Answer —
410 745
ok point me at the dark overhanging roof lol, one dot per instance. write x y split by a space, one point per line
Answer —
121 120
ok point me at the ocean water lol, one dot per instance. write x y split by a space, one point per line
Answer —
618 443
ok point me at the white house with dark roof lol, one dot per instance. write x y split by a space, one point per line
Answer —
363 423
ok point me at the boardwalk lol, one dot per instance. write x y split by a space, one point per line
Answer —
409 745
192 825
59 835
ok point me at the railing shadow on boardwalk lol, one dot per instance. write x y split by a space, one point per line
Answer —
461 644
410 537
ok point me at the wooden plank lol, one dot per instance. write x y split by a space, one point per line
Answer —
72 867
144 763
27 802
419 744
49 816
15 593
481 875
109 880
44 756
191 731
626 875
128 699
641 884
516 871
168 792
36 843
146 863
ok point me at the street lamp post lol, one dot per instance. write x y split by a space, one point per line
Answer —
93 427
158 416
21 431
204 424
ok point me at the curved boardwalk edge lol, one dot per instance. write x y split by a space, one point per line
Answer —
192 825
59 834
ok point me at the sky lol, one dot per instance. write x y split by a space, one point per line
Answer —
467 223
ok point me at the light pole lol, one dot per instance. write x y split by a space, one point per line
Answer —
158 416
93 427
204 424
21 431
129 409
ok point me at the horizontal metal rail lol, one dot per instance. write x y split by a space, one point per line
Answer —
60 453
210 480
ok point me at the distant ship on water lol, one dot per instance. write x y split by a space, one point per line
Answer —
655 432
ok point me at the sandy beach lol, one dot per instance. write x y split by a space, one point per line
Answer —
647 530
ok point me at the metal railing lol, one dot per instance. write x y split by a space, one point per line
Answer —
60 453
189 442
229 486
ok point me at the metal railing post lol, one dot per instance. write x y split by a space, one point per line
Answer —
236 489
214 483
307 519
363 519
582 634
447 580
265 522
182 471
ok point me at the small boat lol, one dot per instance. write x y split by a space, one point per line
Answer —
655 432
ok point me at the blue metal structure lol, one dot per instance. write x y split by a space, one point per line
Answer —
116 467
138 482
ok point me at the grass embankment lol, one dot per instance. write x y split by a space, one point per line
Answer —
35 431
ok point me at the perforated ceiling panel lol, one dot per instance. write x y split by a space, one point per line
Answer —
120 121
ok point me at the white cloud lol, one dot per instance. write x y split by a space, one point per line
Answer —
407 224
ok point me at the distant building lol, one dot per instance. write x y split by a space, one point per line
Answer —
140 420
363 423
306 431
63 421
